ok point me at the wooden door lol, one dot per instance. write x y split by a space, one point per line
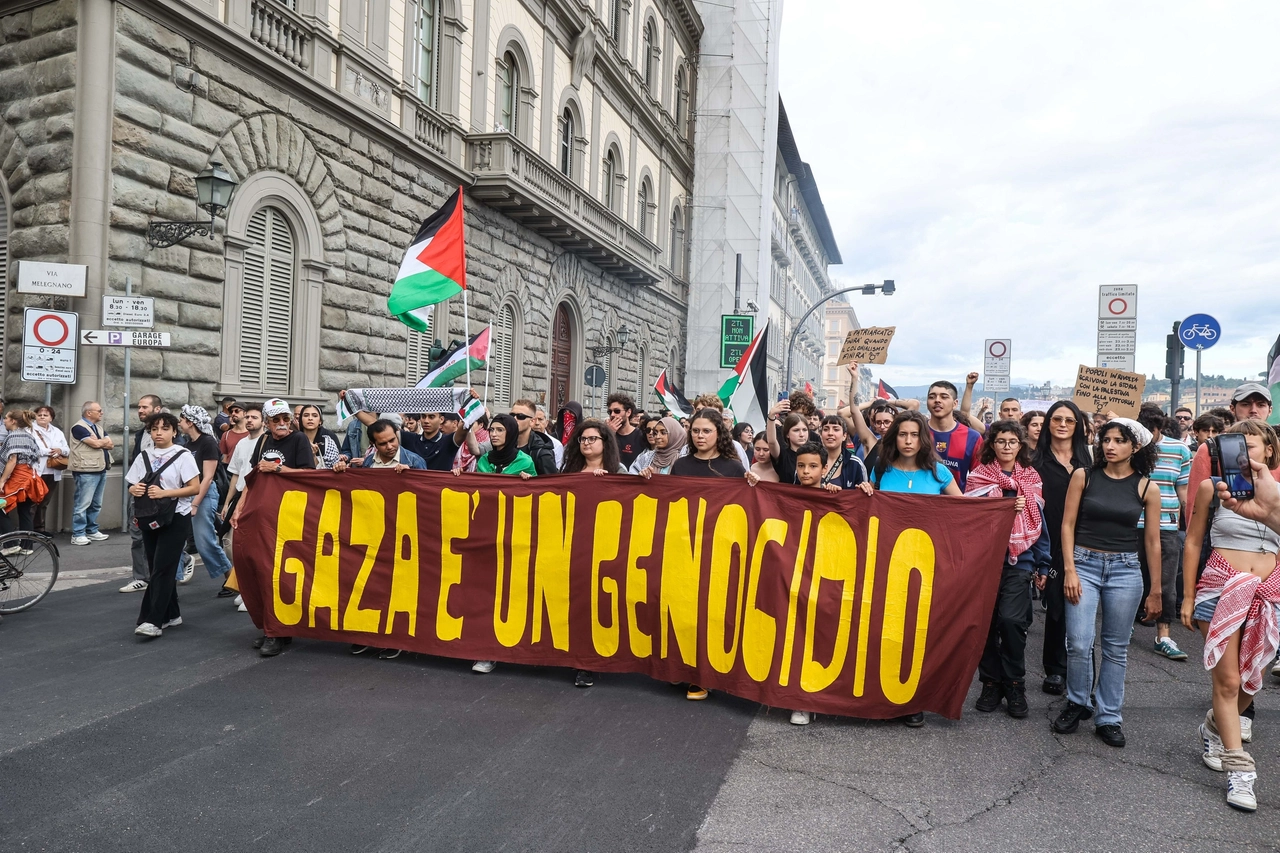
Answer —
561 359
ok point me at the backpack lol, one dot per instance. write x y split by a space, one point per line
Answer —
155 513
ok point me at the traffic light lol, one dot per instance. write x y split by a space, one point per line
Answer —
1174 357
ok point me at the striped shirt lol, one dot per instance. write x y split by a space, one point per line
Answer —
1173 469
21 444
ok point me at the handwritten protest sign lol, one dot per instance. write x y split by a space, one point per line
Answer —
1102 389
867 346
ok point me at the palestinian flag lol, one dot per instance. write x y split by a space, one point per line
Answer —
731 384
1273 380
455 364
671 397
885 391
434 268
749 400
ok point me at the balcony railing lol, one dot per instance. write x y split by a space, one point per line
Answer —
280 30
517 181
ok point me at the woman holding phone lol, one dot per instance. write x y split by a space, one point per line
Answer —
1236 605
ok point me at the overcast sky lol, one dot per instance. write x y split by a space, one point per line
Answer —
1000 160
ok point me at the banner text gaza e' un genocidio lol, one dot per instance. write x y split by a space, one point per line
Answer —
798 598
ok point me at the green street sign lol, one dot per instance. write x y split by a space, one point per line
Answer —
736 331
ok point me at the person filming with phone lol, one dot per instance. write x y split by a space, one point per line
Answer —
1235 600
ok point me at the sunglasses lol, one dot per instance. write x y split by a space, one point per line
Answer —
520 417
655 432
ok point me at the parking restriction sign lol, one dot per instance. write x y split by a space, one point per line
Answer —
49 346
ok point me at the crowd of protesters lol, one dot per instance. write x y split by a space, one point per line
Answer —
1117 520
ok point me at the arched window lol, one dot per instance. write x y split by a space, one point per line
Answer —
676 244
417 356
508 92
427 55
650 53
608 192
266 325
642 203
506 382
682 101
566 143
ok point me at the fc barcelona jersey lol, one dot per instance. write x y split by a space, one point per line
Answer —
958 450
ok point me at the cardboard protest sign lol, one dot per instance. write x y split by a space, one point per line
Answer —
1102 389
867 346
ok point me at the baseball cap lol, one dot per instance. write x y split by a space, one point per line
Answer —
1250 388
275 406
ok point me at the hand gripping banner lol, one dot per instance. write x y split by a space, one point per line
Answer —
870 607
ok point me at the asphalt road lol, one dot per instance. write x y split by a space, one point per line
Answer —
194 742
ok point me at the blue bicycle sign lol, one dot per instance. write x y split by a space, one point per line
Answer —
1199 331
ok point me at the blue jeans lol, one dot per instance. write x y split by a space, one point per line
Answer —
1113 581
204 530
87 502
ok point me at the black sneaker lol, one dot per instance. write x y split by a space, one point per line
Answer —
389 654
1069 720
913 721
584 678
273 646
992 695
1054 685
1015 697
257 644
227 592
1110 735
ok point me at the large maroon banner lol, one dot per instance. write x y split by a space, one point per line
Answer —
798 598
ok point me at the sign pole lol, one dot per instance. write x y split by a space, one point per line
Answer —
1198 351
124 452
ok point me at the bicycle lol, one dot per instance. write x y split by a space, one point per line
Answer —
1197 329
27 575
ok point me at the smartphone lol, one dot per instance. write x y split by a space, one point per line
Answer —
1233 456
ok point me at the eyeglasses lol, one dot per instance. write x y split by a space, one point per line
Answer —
1006 442
520 417
655 432
589 439
1064 421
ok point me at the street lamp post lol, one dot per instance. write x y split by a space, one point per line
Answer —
214 187
887 288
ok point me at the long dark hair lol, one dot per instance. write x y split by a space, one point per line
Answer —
575 462
926 457
724 440
1080 455
1143 459
791 420
988 453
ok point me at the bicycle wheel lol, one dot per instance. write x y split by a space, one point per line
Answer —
26 578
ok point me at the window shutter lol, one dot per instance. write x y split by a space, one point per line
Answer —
280 289
253 302
502 357
417 359
642 385
608 367
4 269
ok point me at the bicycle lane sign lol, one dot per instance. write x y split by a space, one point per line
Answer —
1199 331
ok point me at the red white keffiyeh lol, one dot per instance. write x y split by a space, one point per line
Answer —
1243 599
991 481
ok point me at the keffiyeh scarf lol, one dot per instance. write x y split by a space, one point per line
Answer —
1243 599
427 400
198 416
991 481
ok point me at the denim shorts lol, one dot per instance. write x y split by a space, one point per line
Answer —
1205 609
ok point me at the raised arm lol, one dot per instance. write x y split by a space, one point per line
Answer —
771 427
966 400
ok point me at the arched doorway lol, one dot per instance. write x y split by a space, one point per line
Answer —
561 359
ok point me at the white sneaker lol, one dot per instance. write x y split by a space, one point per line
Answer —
1275 670
134 586
79 540
1246 729
11 551
240 608
173 623
146 629
99 536
800 718
1213 748
239 600
483 666
188 570
1240 790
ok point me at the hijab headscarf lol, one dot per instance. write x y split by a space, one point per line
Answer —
501 457
198 416
676 439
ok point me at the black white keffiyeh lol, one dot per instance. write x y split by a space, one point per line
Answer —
400 400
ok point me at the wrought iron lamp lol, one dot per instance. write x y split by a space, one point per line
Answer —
214 187
623 337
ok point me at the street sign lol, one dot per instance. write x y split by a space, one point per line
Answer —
736 331
48 279
49 346
1199 331
1117 343
1117 361
997 357
995 384
595 376
1117 300
134 338
134 312
1117 324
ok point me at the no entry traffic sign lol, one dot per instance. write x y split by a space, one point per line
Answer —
49 346
1117 300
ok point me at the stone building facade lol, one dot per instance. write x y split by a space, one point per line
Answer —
345 123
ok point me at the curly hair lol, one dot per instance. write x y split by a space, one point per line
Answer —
988 453
1143 459
575 462
802 403
724 440
926 456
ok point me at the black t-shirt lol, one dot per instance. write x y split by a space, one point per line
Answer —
204 449
692 466
784 464
630 446
438 452
293 451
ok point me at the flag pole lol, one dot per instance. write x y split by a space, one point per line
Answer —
488 356
466 335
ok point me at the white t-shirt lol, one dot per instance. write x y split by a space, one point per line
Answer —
240 458
173 477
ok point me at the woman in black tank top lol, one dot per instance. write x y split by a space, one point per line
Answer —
1101 570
